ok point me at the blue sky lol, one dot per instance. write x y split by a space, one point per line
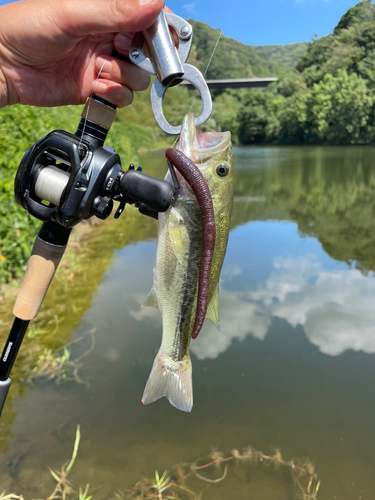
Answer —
263 22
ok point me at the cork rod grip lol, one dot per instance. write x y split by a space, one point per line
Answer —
40 270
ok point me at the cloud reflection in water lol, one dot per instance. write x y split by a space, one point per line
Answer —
335 308
238 318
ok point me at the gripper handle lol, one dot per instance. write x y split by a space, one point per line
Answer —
44 260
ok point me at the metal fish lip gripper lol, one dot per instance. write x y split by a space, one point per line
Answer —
169 65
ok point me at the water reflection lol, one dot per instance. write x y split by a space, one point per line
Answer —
335 308
329 192
239 318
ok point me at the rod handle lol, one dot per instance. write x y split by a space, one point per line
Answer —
4 388
41 268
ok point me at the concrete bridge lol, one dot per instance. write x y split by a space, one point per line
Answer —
235 84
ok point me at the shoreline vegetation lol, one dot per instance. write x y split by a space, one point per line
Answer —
327 97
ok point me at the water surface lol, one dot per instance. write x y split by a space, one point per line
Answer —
292 367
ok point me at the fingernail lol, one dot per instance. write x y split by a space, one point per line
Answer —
103 65
99 87
144 2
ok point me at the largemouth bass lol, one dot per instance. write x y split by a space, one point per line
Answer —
178 258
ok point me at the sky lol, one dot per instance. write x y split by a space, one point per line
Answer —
264 22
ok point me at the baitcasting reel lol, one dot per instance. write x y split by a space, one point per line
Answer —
67 179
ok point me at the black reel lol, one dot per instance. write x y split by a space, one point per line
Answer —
66 179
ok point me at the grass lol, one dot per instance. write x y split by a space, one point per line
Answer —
57 364
172 484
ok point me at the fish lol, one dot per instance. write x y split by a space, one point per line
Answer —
180 269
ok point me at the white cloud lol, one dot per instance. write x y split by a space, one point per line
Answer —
190 7
142 312
231 272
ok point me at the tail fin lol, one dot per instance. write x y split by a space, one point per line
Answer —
172 380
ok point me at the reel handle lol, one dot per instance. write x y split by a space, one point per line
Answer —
156 194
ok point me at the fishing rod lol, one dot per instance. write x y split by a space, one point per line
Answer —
66 178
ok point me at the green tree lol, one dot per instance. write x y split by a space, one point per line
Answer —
361 12
293 115
342 109
253 118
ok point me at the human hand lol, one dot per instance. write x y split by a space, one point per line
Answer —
51 51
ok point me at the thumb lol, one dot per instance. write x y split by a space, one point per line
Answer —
84 17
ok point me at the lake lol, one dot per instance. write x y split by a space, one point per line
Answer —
292 368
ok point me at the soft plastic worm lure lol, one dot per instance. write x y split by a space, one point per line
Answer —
197 182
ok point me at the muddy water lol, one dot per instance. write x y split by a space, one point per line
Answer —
293 366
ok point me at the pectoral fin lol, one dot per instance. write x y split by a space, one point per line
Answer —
213 308
177 234
151 300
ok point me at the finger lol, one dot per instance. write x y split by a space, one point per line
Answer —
122 72
115 93
122 42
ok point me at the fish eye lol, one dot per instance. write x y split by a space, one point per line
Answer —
222 170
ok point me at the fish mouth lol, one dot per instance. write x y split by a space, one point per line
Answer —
201 147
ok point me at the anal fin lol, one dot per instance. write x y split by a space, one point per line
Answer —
151 300
213 308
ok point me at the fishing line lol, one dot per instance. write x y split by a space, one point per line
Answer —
214 50
209 61
88 107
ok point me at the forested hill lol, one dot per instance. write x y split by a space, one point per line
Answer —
287 55
329 98
233 59
351 47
